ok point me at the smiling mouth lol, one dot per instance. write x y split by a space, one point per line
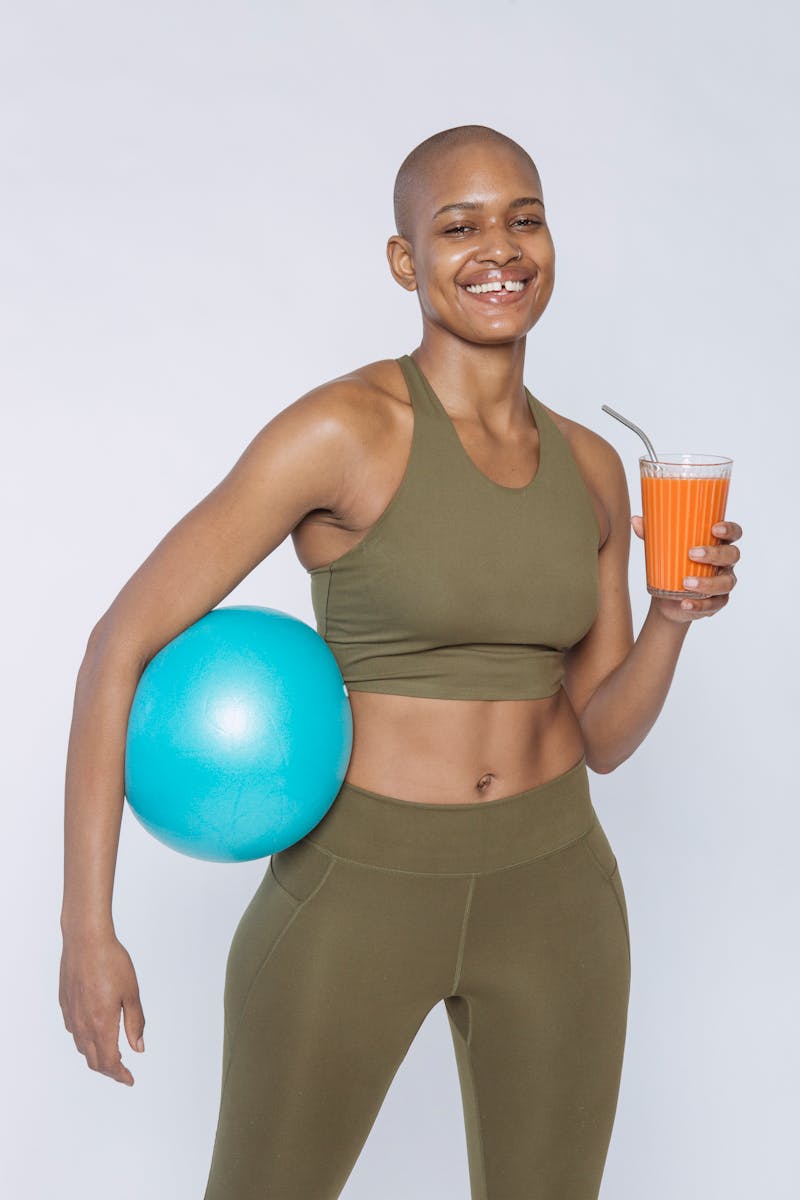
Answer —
509 285
497 293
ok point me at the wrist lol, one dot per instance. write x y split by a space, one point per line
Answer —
660 612
80 928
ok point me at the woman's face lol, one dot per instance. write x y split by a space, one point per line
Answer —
496 230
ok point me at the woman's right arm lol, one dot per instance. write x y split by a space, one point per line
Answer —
297 463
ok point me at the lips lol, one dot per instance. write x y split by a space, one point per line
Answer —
497 298
516 274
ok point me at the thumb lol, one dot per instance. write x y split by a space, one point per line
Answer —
133 1018
638 526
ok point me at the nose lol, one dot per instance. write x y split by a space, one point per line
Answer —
498 247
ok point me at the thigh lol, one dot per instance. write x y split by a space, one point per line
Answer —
319 1013
539 1024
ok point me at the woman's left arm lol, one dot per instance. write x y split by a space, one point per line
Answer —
618 686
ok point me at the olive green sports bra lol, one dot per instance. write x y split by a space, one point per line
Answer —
464 588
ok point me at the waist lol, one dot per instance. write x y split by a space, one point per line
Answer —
384 831
460 751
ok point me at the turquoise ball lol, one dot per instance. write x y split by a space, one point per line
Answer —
239 735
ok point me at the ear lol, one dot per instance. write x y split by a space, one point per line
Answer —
401 262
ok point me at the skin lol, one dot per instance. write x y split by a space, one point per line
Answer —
323 469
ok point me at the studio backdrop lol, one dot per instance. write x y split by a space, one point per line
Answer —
196 203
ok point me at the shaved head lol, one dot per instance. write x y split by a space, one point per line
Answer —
426 160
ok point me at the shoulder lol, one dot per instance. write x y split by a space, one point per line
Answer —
356 403
334 437
584 440
341 415
600 463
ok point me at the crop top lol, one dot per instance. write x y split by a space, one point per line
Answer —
464 588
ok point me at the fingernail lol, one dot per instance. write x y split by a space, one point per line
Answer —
718 529
140 1045
686 604
689 581
697 552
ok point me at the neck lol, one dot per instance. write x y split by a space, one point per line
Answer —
473 381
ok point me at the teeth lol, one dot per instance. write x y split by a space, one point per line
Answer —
510 285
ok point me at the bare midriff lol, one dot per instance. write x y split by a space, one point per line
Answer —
460 751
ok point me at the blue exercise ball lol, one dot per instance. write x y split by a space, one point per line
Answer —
239 735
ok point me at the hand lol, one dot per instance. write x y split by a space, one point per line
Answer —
711 594
96 979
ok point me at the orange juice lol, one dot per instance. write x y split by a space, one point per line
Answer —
683 496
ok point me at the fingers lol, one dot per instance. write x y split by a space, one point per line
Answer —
711 592
99 1044
723 581
706 595
699 607
722 557
723 554
716 585
133 1018
96 980
728 530
105 1058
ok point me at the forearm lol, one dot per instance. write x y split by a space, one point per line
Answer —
94 791
624 708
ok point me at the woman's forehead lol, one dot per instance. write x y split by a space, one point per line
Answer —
478 190
478 174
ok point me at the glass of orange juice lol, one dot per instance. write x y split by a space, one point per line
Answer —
683 496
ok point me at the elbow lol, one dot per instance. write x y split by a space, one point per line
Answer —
107 642
603 765
596 751
596 760
99 638
95 638
598 765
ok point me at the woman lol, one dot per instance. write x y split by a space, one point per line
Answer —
468 551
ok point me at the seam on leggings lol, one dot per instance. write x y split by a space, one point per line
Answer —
450 874
476 1101
292 916
608 879
462 938
607 875
590 848
621 911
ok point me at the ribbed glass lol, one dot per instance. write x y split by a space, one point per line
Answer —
683 496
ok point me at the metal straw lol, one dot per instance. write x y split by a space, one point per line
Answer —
651 452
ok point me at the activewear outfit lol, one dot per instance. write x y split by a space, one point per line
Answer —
510 911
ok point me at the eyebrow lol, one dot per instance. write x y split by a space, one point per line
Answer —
471 204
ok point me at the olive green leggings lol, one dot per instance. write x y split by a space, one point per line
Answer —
511 911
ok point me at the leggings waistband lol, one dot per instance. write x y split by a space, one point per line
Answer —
385 831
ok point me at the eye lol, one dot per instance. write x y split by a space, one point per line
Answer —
520 221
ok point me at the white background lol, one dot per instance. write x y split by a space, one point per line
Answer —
196 201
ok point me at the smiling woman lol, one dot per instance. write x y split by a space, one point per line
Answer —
467 548
452 192
456 570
